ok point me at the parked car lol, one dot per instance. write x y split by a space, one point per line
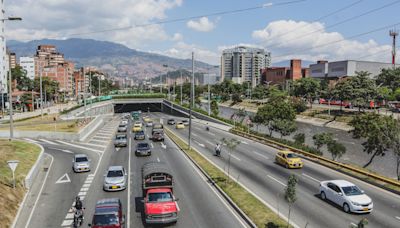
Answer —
108 213
143 149
179 125
122 127
185 122
115 179
140 135
121 140
346 195
288 159
171 122
80 163
158 136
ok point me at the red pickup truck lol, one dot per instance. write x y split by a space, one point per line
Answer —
160 206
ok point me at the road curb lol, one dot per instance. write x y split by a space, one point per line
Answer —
226 197
28 176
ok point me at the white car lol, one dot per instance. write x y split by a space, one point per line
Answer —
115 179
346 195
124 122
80 163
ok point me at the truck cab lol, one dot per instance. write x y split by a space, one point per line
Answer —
108 214
160 206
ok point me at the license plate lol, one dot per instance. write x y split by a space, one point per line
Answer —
365 209
114 187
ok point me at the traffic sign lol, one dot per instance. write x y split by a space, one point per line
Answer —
13 164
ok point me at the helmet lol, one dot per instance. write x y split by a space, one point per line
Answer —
77 198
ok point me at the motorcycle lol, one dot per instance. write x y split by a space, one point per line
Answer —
78 218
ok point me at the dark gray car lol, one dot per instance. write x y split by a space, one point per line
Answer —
143 149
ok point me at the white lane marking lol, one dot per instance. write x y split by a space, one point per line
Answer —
82 193
312 178
66 151
353 224
163 145
200 144
101 137
88 182
276 180
84 189
261 155
49 142
209 142
195 135
235 157
86 186
105 134
89 178
208 184
397 217
82 147
92 144
177 206
152 146
63 179
129 184
40 192
67 223
31 140
91 175
147 135
244 142
210 133
158 159
97 140
69 216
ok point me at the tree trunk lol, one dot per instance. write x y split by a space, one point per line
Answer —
370 160
288 218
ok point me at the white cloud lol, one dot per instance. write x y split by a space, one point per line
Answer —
177 37
183 50
290 39
201 25
58 19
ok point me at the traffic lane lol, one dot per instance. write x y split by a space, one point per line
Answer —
59 193
383 214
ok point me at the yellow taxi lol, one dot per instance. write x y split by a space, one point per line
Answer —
146 119
288 159
137 126
179 125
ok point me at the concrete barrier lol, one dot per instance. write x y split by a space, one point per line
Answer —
30 177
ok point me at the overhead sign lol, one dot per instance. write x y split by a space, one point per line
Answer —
13 164
63 179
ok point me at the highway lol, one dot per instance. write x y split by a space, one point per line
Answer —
254 164
200 205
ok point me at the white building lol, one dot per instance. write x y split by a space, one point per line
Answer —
28 64
244 64
3 55
346 68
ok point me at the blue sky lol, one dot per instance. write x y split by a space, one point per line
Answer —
208 36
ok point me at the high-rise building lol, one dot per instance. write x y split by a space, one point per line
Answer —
244 64
28 64
3 54
12 58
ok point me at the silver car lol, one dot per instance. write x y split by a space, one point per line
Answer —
122 127
120 140
115 179
80 163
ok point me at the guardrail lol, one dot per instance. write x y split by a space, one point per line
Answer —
310 155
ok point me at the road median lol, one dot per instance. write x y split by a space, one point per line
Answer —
259 213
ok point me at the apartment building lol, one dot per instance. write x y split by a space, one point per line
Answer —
279 75
28 64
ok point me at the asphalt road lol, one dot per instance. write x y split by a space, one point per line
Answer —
253 164
200 205
355 155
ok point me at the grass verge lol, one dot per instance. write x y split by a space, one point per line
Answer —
10 198
260 214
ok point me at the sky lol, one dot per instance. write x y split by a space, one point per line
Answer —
305 29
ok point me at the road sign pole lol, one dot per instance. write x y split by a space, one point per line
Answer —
13 165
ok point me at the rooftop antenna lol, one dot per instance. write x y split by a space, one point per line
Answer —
394 33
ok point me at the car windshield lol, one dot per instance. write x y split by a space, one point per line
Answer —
143 145
122 125
138 123
115 173
121 136
107 219
160 197
351 190
157 126
292 155
81 159
140 133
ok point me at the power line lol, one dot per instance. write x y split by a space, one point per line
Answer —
319 19
378 53
343 39
267 5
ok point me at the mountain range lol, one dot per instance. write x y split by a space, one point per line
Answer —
112 58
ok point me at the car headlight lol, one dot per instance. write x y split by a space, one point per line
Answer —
355 203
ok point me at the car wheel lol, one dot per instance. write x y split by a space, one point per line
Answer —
323 196
346 208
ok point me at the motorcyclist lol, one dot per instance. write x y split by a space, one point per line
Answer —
78 204
207 128
218 149
78 208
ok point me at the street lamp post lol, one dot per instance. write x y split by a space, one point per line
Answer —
10 82
41 92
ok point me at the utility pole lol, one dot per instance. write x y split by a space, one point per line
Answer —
65 84
191 104
2 100
84 91
41 91
99 79
181 87
209 94
11 107
394 34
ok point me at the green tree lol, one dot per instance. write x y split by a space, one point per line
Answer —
50 87
393 132
322 139
371 127
285 127
298 104
343 91
390 78
23 82
308 88
336 149
290 193
236 98
299 138
363 89
231 144
259 92
214 108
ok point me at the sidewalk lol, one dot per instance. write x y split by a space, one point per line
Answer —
50 110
